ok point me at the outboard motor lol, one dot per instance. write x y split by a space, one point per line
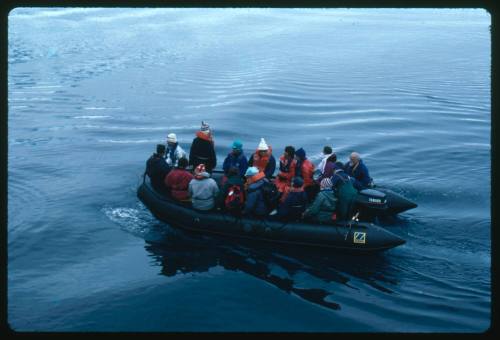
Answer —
370 203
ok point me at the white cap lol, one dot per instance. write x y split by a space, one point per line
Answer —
262 145
172 138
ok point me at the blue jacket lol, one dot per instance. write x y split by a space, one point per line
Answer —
157 168
254 204
340 177
293 206
232 161
361 176
271 166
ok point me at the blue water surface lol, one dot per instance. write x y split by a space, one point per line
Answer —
92 91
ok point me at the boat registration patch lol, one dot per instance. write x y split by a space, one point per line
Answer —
359 237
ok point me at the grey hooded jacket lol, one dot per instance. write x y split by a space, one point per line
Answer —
323 207
203 192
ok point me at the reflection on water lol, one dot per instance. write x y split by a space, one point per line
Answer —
307 273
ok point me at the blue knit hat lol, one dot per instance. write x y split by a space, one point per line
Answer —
237 145
251 171
301 153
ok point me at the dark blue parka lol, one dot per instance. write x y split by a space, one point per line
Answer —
255 204
340 176
157 168
346 194
293 206
239 161
360 174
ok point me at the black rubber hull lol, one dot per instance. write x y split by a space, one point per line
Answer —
359 237
395 202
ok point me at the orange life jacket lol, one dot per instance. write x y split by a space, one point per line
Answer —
284 179
254 178
261 162
203 136
307 172
291 169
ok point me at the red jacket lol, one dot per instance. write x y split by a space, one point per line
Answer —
307 172
177 181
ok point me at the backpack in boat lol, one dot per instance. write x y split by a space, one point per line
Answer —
271 194
234 199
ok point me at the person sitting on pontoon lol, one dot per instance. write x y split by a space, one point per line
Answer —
203 189
358 170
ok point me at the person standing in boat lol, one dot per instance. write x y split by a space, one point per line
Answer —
346 193
326 166
294 205
203 189
329 167
322 210
235 158
358 170
157 168
202 149
286 170
255 204
328 156
174 150
305 169
177 181
263 159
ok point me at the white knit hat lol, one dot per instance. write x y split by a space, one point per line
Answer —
263 145
204 127
172 138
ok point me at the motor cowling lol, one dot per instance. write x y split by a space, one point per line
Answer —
372 199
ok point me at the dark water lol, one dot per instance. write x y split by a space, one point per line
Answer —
92 91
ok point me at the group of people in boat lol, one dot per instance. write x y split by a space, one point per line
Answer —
324 193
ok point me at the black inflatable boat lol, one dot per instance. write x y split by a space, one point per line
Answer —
353 236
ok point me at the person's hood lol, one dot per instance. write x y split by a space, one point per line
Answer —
202 175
